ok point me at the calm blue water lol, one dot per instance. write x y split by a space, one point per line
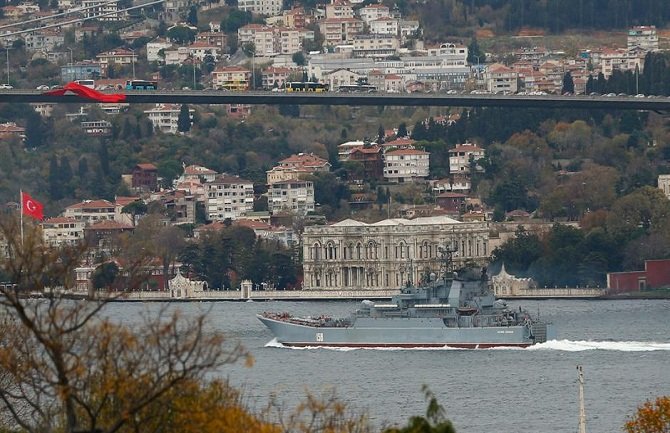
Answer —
624 347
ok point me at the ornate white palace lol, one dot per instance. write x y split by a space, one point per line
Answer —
353 255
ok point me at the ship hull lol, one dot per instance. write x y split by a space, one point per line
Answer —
397 333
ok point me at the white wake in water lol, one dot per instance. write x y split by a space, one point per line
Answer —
560 345
617 346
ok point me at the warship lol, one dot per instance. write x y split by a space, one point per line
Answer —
451 309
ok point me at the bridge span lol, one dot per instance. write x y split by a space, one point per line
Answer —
659 103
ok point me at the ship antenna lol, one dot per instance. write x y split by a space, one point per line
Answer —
582 412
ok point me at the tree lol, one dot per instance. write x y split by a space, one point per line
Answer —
651 417
475 54
435 420
184 119
568 84
299 58
67 367
192 17
34 130
181 34
402 130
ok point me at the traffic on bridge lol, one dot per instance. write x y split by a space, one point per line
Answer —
615 102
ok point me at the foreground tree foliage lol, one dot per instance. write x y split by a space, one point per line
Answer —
66 366
651 417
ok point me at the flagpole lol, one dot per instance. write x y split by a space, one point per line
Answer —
21 213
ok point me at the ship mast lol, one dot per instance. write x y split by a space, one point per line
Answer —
582 412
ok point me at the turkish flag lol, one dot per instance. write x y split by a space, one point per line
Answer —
31 207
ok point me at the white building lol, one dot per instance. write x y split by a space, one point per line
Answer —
261 7
664 184
623 60
375 45
459 157
501 79
385 26
165 117
43 40
91 211
154 47
642 37
374 11
295 196
339 9
386 255
406 165
103 10
229 197
62 231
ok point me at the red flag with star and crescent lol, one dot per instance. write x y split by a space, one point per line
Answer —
31 207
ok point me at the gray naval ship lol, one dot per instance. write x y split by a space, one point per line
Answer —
454 309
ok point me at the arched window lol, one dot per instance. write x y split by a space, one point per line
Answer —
359 249
316 251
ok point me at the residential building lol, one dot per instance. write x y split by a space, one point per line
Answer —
103 10
197 172
261 7
294 18
372 12
450 50
375 45
231 78
275 77
664 184
200 50
165 117
296 166
44 109
339 9
642 37
351 255
461 155
622 60
456 182
145 177
408 29
371 157
43 40
106 235
11 129
451 201
154 48
229 197
218 39
99 128
61 231
90 211
176 56
180 205
406 165
80 71
119 56
344 150
343 77
385 26
500 79
295 196
337 31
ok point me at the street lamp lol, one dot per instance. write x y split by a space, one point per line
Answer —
132 60
7 50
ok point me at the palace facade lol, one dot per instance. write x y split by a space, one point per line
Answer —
387 254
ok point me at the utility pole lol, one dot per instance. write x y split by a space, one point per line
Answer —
193 60
582 412
7 49
132 60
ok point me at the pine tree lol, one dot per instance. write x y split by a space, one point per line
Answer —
568 84
192 18
380 134
34 130
402 130
184 119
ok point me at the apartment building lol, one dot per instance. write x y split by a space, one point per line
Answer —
61 231
406 165
375 45
261 7
229 197
231 78
337 31
294 195
501 79
372 12
460 156
165 117
642 37
103 10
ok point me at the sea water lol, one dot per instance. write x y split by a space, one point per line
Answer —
623 346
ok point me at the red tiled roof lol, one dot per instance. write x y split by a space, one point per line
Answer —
407 152
59 220
466 148
91 204
147 166
123 201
